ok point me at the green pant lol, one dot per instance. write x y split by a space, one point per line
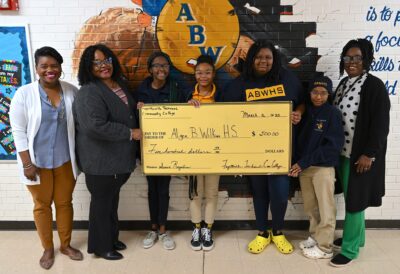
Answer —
354 222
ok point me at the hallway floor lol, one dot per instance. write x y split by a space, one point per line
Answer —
20 252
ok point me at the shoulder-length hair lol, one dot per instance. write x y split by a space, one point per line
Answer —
367 51
85 74
248 72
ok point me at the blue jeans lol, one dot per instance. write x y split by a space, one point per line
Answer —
270 190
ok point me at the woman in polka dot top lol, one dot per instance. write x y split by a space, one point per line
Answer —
364 103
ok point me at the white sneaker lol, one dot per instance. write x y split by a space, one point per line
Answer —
167 241
309 242
150 239
316 253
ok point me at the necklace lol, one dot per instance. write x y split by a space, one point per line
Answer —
346 90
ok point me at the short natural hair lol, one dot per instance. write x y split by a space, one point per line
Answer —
48 51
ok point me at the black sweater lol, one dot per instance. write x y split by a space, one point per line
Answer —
370 139
103 122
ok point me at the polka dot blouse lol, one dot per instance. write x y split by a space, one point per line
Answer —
347 100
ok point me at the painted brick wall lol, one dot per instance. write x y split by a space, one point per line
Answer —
334 22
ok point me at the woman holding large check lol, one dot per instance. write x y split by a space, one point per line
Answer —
262 72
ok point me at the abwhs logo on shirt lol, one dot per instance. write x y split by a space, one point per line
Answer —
265 93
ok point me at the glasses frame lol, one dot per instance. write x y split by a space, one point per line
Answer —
315 93
98 63
357 59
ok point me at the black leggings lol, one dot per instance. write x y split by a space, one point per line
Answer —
158 197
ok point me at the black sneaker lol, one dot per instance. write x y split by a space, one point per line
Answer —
206 236
196 240
337 244
340 261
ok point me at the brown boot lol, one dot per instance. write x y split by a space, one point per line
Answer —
47 259
72 253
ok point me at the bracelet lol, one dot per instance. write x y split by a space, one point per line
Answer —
28 166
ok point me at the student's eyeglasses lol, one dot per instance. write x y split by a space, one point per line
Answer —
317 93
99 63
354 59
158 66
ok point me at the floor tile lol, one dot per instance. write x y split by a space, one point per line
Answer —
230 256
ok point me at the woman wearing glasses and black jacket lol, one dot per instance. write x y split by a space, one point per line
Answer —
364 103
106 130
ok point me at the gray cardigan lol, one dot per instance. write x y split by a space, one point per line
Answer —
103 122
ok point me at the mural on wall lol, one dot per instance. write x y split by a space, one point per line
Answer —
15 71
185 29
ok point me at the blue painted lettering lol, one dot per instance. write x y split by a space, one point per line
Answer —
386 14
371 14
185 12
383 41
213 52
197 36
391 88
397 19
383 64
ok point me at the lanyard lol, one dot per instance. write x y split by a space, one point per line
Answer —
345 90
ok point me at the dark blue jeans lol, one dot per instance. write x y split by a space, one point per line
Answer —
270 190
158 197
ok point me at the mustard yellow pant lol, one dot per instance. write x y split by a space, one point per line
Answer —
56 185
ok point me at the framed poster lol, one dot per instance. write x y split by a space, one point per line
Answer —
15 70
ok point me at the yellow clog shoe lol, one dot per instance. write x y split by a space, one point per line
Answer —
257 245
283 245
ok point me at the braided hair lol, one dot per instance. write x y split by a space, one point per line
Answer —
367 51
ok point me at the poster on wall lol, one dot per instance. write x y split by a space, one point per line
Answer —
15 71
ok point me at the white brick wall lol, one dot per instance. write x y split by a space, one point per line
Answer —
56 23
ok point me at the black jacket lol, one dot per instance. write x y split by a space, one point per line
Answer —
321 138
370 138
171 92
103 123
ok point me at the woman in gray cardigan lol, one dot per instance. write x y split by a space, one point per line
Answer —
106 131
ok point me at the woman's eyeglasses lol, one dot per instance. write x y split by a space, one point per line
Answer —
99 63
354 59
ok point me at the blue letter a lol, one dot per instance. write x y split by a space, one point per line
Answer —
185 12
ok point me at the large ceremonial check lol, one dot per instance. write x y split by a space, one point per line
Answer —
219 138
